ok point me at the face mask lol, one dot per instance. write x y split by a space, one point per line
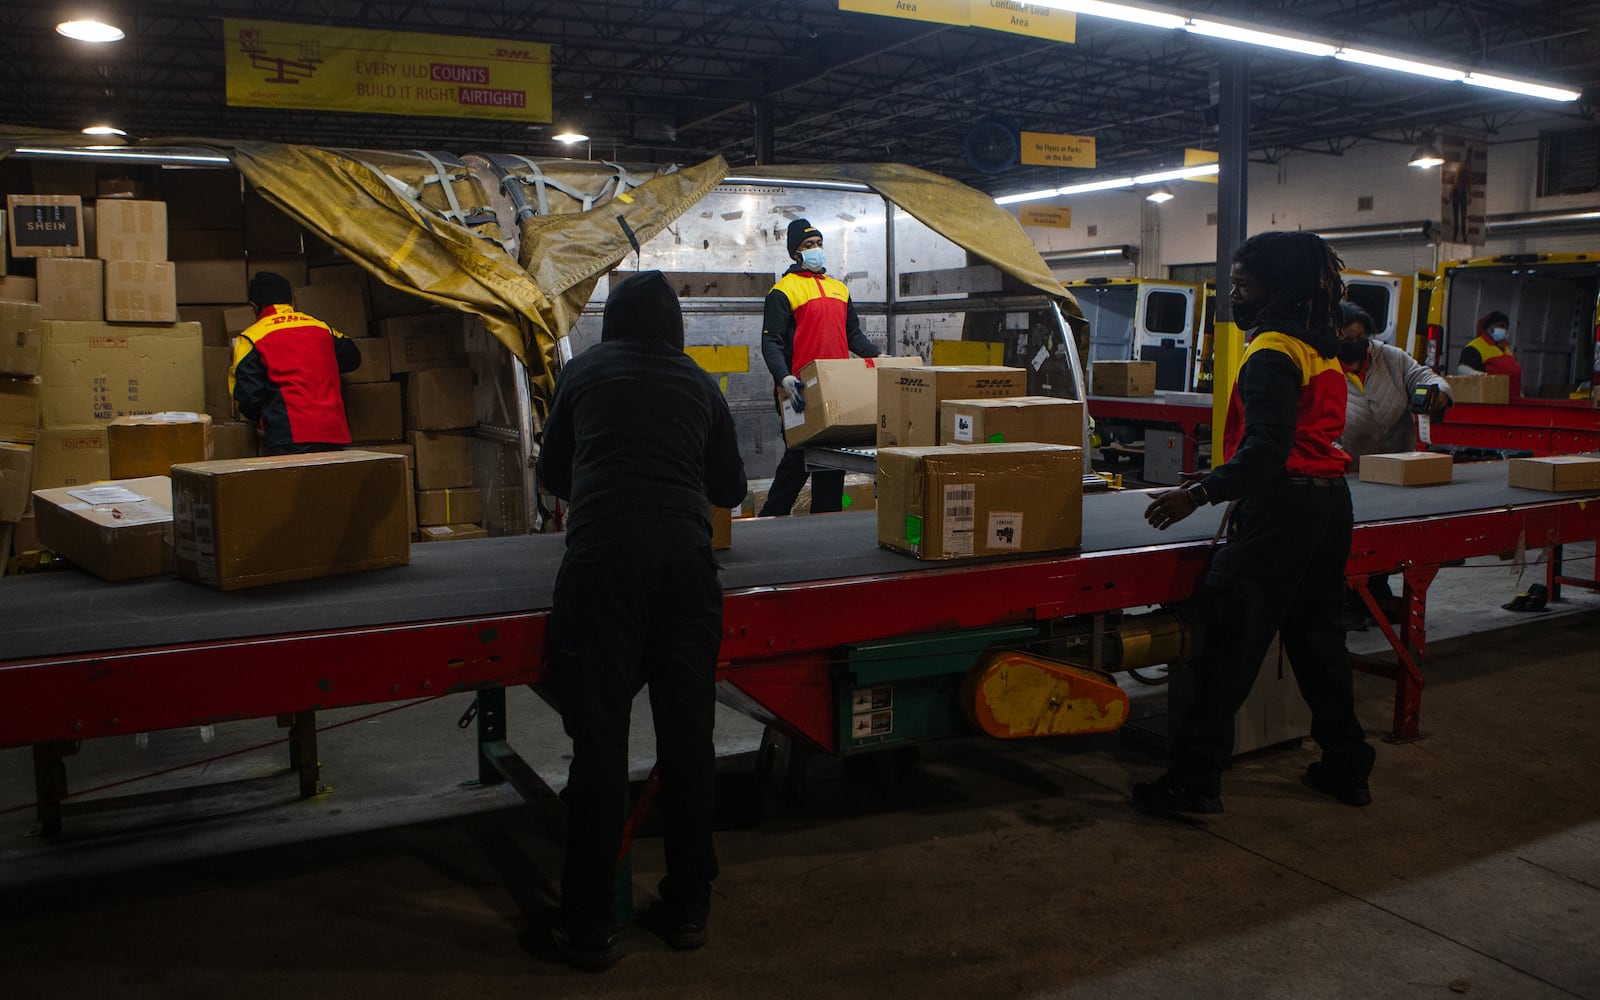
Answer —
1352 351
813 259
1245 314
1499 334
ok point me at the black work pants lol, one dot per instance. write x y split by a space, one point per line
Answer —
827 487
629 613
1281 571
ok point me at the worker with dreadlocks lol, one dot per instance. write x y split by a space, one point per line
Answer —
1282 569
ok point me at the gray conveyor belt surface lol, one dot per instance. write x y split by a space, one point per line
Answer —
70 612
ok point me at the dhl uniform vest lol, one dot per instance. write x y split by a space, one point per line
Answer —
820 305
1498 361
295 354
1319 417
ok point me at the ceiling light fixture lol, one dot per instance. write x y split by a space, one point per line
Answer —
570 136
1426 155
1161 194
103 130
1400 65
1111 184
1120 12
1264 39
90 30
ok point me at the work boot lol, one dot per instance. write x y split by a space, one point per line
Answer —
1321 778
1169 796
593 948
681 925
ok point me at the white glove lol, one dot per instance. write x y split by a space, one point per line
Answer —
797 392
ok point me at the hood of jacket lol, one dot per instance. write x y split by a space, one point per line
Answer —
643 306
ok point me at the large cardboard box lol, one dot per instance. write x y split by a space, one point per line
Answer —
17 288
238 319
1554 473
440 399
216 321
205 244
451 532
128 187
233 439
1041 419
21 408
21 338
374 365
958 501
114 530
442 459
126 229
70 456
449 506
152 444
96 372
45 225
373 411
71 288
1123 378
141 291
1407 468
388 302
203 198
432 340
254 521
721 528
291 269
16 480
410 455
219 401
341 306
268 231
909 398
841 401
211 281
1480 388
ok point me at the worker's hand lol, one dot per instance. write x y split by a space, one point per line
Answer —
796 391
1441 403
1168 508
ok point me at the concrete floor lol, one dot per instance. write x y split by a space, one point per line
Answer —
994 870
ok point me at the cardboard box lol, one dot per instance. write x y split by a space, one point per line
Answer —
96 372
1480 388
410 455
389 302
860 493
1554 473
21 338
114 530
374 412
62 177
449 506
15 288
432 340
254 521
205 244
203 198
238 319
233 439
1124 378
374 365
71 288
442 459
127 187
45 225
141 291
341 306
1408 468
70 456
268 231
1040 419
21 408
291 269
151 445
127 229
215 281
958 501
451 532
440 399
219 401
16 480
841 400
213 329
721 528
909 398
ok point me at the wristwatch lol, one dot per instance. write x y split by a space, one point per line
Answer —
1196 492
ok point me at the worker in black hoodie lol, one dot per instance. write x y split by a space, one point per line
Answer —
641 442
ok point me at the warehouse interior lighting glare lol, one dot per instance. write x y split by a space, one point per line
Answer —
1426 155
89 30
570 136
1229 32
1111 184
1160 194
103 130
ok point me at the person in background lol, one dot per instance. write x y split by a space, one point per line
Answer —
285 373
1489 353
641 442
808 316
1282 568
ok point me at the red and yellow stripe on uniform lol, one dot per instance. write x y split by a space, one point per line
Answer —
1319 417
820 305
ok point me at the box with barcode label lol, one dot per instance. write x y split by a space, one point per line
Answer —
841 401
961 501
1039 419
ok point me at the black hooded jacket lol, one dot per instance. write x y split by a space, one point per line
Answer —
639 436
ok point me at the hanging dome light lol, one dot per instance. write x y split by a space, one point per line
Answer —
90 30
1159 194
1426 155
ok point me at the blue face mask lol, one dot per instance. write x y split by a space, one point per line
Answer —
813 259
1499 334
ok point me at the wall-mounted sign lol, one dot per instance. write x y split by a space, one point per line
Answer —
270 64
1054 218
1045 149
1030 19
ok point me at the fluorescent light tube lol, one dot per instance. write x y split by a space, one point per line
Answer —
1106 185
1528 89
1266 39
1182 173
1012 199
1399 65
1118 12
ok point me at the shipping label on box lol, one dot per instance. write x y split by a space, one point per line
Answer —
433 340
374 365
48 225
96 372
141 291
21 338
71 289
114 530
255 521
841 400
341 306
210 281
440 399
1554 473
1040 419
16 480
21 408
1408 468
71 456
151 445
960 501
442 459
1480 388
126 229
374 412
1124 378
449 506
909 398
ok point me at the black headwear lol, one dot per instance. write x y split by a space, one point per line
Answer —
1301 275
643 306
268 288
800 230
1349 313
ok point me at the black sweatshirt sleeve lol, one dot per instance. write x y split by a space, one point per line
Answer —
347 353
1470 358
860 346
724 468
777 334
1269 388
555 454
250 387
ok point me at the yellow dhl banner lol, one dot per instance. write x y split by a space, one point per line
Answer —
271 64
1031 19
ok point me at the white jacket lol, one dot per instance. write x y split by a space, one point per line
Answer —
1377 416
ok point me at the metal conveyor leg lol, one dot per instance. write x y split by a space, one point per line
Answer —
303 751
491 718
50 782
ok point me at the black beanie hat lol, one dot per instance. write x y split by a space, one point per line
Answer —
643 306
268 288
800 230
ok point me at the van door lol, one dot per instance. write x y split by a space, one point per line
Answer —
1388 299
1165 331
1109 307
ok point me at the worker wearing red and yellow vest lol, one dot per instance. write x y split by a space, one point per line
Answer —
285 373
808 316
1282 568
1489 353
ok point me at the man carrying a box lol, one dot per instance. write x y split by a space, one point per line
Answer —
285 373
808 316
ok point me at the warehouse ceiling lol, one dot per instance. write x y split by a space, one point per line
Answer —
675 81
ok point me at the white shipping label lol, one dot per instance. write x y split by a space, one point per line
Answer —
1425 428
97 496
872 699
1005 529
959 520
964 428
790 417
1040 358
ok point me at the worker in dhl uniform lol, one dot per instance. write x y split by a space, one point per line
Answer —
1282 568
1489 353
285 373
808 316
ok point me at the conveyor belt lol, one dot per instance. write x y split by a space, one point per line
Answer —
62 613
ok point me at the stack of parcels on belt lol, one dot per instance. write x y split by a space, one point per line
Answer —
1039 419
909 399
860 493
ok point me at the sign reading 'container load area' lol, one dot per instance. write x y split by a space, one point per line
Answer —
998 15
275 65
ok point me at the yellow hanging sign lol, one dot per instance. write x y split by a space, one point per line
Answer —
1045 149
271 64
954 12
1197 157
1054 218
1034 20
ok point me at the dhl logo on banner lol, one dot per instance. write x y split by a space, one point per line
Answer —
271 64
